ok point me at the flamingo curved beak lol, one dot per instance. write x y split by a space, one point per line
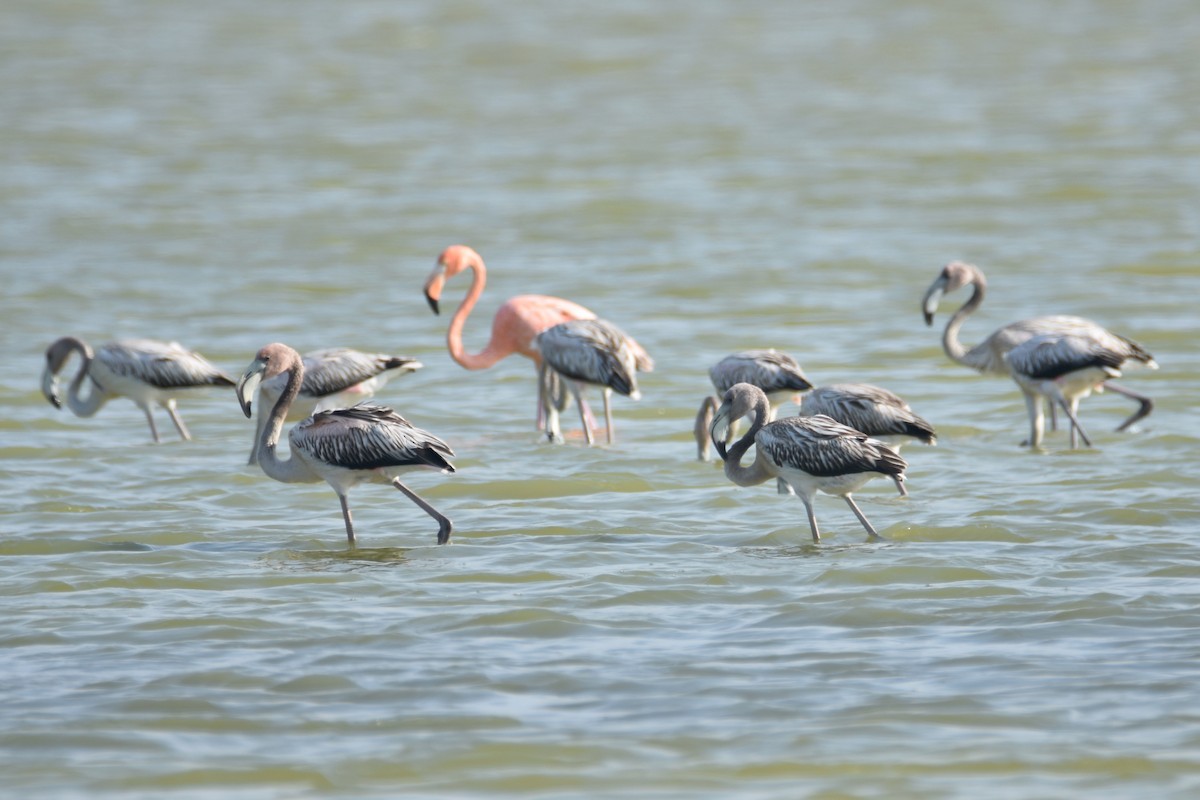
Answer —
50 387
433 287
929 304
247 385
719 429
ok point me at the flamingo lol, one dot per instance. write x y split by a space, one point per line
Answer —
366 443
585 351
516 323
1066 367
987 357
148 372
811 453
777 374
334 377
875 411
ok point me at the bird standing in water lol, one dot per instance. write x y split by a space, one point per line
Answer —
366 443
516 323
811 453
148 372
585 351
988 356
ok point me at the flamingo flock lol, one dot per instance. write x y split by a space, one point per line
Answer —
843 435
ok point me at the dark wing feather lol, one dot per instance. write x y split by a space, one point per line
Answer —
160 364
334 370
769 370
592 351
369 436
1050 356
821 446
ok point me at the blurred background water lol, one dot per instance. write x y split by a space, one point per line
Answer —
617 621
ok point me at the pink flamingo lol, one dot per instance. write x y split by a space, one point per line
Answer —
516 324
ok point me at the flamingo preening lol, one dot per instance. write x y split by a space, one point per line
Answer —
988 356
811 453
1066 367
585 351
777 374
366 443
148 372
334 377
516 323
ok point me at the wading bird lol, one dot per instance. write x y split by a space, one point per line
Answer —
988 356
777 374
516 323
872 410
334 377
811 453
366 443
585 351
1066 367
148 372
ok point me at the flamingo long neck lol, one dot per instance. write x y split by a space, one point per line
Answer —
489 355
292 470
950 342
84 406
757 472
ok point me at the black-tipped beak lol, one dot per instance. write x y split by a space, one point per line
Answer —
433 303
720 445
928 318
247 385
50 389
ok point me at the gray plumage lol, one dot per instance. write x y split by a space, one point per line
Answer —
1064 368
334 377
871 409
990 355
586 351
811 453
769 370
148 372
777 374
369 436
366 443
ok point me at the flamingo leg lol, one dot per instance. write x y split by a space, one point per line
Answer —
900 486
1036 421
871 533
178 420
346 516
445 526
608 423
577 392
812 518
153 427
1071 408
1053 409
1147 405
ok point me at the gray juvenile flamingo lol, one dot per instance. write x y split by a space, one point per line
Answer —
148 372
586 351
777 374
1066 367
811 453
334 377
873 410
366 443
988 356
516 323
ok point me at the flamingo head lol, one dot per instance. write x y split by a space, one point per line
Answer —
738 401
453 260
953 276
268 362
56 357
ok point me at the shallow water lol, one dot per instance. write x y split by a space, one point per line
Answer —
619 621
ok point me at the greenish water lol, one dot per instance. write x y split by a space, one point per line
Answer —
618 621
